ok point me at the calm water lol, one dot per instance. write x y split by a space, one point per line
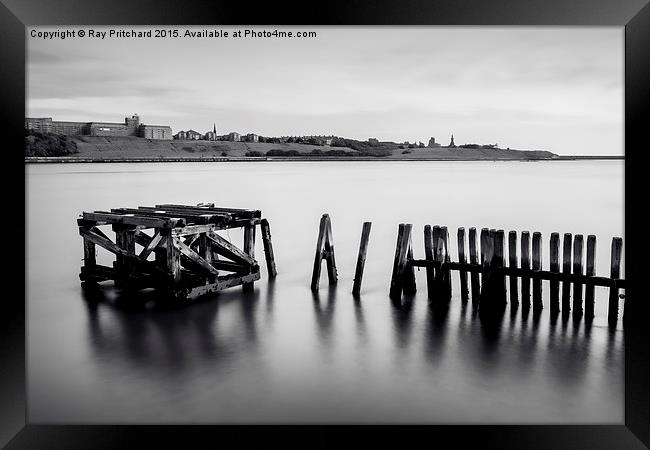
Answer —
282 355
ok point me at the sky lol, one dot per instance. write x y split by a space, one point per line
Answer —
545 88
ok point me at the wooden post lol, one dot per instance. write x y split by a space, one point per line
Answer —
438 258
330 259
324 250
172 259
268 248
125 239
577 269
525 264
615 273
512 262
473 259
484 234
566 268
205 250
537 265
90 259
409 270
399 265
499 257
428 255
361 258
249 248
554 266
486 278
461 258
591 271
445 257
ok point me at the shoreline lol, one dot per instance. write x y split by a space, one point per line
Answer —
72 160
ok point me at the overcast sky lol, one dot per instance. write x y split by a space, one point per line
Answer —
551 88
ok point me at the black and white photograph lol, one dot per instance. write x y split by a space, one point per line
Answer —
326 225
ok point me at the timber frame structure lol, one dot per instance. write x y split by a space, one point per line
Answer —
181 254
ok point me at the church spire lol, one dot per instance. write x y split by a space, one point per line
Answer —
451 144
215 128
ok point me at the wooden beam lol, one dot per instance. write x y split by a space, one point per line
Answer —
249 248
125 219
194 257
224 248
153 243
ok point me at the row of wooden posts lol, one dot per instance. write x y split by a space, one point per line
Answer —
488 269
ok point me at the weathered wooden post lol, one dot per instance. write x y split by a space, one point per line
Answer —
512 262
525 264
591 271
486 277
409 270
462 259
249 247
428 256
324 250
401 261
361 258
473 259
537 265
125 239
566 269
268 248
445 273
615 273
499 256
577 269
554 267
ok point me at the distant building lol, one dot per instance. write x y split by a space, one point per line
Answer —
432 143
192 135
210 136
234 137
130 127
451 143
252 138
373 141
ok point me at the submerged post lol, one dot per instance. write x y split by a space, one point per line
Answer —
512 262
249 247
566 269
268 248
525 264
591 271
445 258
361 258
554 266
324 250
462 259
400 262
577 269
428 255
537 265
473 259
615 273
499 262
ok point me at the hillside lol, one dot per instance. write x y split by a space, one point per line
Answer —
94 147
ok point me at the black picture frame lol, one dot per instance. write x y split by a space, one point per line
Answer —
634 15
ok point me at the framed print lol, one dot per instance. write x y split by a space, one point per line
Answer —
469 175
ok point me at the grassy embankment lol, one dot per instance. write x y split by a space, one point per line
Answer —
91 147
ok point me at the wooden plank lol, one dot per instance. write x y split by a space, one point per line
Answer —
577 269
150 222
554 266
194 257
224 248
224 282
193 229
361 258
473 258
512 262
399 263
268 248
615 272
330 259
249 248
234 212
566 268
591 271
537 265
320 248
462 274
153 243
189 218
229 266
192 238
525 265
173 259
90 258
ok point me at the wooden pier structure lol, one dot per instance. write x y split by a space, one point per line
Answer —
488 275
181 252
